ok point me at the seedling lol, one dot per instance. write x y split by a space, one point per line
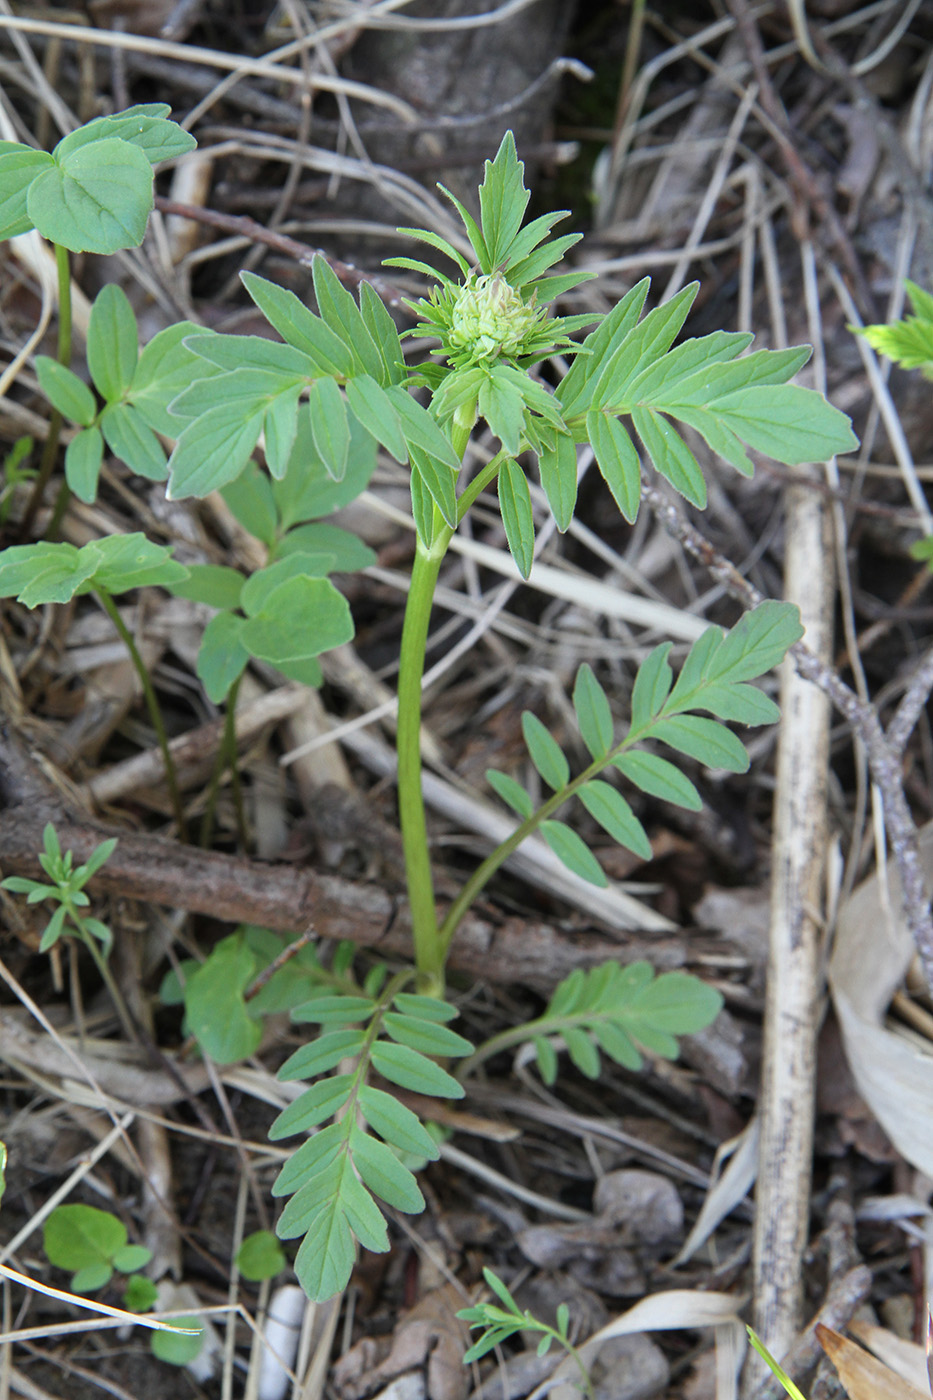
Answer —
67 891
503 1320
322 396
92 1243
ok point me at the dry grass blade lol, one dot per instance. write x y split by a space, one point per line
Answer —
864 1377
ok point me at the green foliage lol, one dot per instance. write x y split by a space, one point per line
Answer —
317 397
227 1026
714 678
909 342
14 473
135 388
178 1348
92 1243
67 890
505 1319
93 194
56 573
260 1256
335 1176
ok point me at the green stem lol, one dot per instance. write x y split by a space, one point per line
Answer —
116 996
155 712
479 483
428 948
429 953
50 450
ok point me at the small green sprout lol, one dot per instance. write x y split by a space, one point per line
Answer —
503 1322
92 1243
67 888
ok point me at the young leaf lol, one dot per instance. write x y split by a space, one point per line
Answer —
222 657
322 1054
214 1005
260 1256
216 585
517 517
112 342
503 200
300 327
95 199
132 561
670 455
143 126
375 411
212 450
652 686
321 1101
593 714
557 465
130 439
166 367
279 632
571 851
546 754
502 405
342 315
19 166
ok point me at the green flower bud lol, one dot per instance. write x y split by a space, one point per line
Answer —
488 319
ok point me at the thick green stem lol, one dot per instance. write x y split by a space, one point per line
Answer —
50 451
152 702
428 948
429 953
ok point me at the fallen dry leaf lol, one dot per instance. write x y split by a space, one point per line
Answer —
864 1377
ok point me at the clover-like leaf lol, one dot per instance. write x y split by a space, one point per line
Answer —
94 199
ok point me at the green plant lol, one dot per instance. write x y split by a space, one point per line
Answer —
14 473
260 1256
505 1319
908 341
775 1368
322 397
92 1243
67 890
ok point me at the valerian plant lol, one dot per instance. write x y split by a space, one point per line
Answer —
318 400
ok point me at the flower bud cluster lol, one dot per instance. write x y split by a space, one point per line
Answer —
489 319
